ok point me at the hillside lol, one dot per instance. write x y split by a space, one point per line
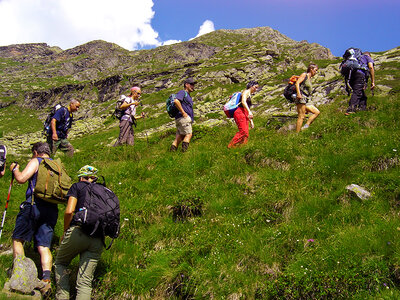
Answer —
270 220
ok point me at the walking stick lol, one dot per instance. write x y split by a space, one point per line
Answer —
8 199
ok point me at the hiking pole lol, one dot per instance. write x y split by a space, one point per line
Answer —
8 199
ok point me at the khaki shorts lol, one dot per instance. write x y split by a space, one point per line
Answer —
184 125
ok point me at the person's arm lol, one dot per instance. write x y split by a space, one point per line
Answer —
69 211
372 72
53 129
298 82
180 108
30 169
125 105
245 95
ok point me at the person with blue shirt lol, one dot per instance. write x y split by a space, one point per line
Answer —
358 83
60 125
185 116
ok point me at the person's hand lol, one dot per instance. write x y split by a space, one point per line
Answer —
55 136
251 124
185 115
13 166
372 85
143 115
299 96
251 115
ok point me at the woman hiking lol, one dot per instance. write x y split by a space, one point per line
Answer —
243 115
303 94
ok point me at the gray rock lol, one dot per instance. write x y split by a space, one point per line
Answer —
24 278
359 191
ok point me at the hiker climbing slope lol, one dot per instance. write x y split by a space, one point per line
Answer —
243 115
36 218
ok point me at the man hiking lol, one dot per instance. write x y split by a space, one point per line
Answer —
126 133
184 117
59 127
76 242
36 218
358 83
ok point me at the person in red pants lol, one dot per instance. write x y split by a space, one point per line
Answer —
243 116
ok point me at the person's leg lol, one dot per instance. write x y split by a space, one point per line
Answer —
87 266
301 113
72 244
125 128
314 111
243 128
66 147
18 248
357 83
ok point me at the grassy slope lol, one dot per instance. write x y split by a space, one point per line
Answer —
275 219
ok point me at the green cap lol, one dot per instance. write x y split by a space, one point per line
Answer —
87 171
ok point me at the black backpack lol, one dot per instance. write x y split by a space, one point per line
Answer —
118 112
47 122
351 63
100 214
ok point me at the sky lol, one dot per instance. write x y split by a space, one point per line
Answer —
372 25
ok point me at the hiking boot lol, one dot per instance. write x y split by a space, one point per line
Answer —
185 146
305 127
3 154
173 148
45 290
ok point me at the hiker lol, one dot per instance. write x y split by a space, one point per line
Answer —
126 133
76 242
36 218
59 127
243 116
3 155
358 83
185 116
302 97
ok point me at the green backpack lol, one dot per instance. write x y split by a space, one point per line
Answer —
53 182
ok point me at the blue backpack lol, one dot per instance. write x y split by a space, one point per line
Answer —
232 104
351 62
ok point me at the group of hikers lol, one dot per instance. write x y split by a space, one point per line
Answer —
37 218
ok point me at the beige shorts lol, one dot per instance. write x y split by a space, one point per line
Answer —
183 125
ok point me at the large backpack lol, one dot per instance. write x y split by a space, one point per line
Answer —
52 182
232 104
118 112
100 214
351 62
172 110
290 89
47 122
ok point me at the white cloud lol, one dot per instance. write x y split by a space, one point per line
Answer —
170 42
206 27
68 23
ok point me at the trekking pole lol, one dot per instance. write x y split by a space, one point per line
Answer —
8 199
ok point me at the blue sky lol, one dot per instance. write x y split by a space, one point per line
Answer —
136 24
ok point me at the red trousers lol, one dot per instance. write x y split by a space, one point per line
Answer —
242 122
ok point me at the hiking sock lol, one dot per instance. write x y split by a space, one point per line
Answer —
46 275
185 146
172 148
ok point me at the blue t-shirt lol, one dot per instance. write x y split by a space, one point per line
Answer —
186 102
64 121
365 60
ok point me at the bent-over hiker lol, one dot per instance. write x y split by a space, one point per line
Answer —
126 133
36 218
358 83
59 127
185 116
243 115
76 242
302 98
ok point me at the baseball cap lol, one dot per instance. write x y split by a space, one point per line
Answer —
190 80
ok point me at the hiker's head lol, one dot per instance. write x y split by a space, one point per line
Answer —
135 92
189 83
74 105
367 53
87 173
40 149
252 86
312 69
